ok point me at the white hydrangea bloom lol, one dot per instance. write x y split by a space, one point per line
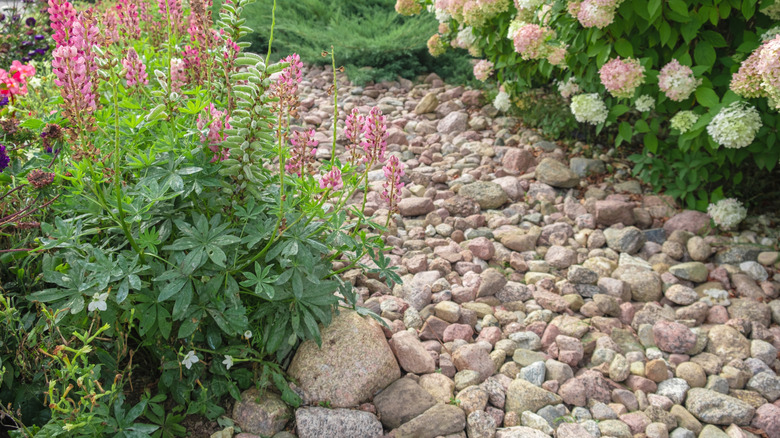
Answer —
773 11
501 102
568 88
528 4
514 26
684 120
589 108
442 16
645 103
467 37
770 34
735 126
727 213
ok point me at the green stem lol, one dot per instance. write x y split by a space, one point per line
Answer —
335 104
271 36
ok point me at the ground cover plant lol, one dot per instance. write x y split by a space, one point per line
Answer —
373 42
693 84
161 211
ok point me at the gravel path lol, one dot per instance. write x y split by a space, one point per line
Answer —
542 295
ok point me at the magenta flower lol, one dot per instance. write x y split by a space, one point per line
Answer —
374 137
135 70
332 180
304 148
178 75
391 194
128 17
352 130
62 15
171 9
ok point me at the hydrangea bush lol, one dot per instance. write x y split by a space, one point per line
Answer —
695 83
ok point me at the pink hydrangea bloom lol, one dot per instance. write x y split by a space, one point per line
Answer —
592 14
332 180
530 41
374 137
622 77
217 123
483 69
747 81
768 67
303 150
135 70
436 46
557 56
677 81
407 7
392 186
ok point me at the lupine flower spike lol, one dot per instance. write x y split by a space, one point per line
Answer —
135 70
304 148
332 180
353 129
391 194
375 137
216 135
286 87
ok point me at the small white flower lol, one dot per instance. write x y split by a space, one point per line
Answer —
248 334
98 302
190 359
466 37
501 102
645 103
727 213
228 362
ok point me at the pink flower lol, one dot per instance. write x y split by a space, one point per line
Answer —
128 17
747 81
286 86
391 194
352 130
62 15
70 68
171 10
557 56
436 47
178 75
530 40
25 70
768 67
135 70
483 69
677 81
591 13
304 148
375 137
622 77
332 180
15 80
217 123
407 7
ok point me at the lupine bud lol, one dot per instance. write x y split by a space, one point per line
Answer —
375 137
391 194
304 148
353 129
135 70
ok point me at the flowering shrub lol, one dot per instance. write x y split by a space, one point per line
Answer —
185 213
658 74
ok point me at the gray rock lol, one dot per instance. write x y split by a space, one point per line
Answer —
734 255
454 122
625 240
488 195
615 428
716 408
554 173
427 104
441 419
534 373
572 430
480 424
347 423
674 389
767 384
691 271
417 292
401 401
520 432
711 431
525 396
261 414
682 432
354 362
582 275
645 285
584 167
682 295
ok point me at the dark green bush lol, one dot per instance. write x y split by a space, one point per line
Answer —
370 39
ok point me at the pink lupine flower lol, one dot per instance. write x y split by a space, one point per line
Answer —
677 81
178 75
304 148
622 77
332 180
530 40
391 194
171 9
62 15
483 69
286 86
70 68
352 130
217 123
128 17
135 70
374 137
111 26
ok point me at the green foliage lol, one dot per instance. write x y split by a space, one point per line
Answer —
546 111
712 37
371 41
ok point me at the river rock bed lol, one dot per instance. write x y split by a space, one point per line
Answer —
543 295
